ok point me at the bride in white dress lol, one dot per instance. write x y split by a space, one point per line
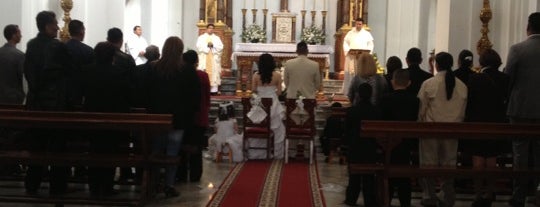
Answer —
267 84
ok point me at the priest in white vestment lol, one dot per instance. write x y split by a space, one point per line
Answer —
210 47
136 46
356 39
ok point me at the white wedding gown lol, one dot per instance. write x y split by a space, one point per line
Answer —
277 112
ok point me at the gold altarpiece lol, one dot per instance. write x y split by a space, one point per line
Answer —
219 13
350 10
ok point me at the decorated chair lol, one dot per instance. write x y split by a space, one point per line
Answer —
259 129
300 123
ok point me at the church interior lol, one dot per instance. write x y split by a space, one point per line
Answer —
396 26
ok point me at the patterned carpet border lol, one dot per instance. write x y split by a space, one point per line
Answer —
224 188
271 185
269 194
316 192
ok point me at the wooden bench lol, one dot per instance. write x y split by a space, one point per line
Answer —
390 133
143 124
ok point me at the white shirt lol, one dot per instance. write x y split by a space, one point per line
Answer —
434 107
360 40
135 45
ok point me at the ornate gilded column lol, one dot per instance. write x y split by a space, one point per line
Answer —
220 11
67 5
485 17
202 10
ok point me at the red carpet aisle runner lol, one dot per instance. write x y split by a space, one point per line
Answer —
270 183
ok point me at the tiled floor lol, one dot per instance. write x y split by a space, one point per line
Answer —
332 175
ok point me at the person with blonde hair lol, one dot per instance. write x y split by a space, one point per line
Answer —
366 72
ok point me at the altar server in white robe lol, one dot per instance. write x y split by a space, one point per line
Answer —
136 46
356 39
209 46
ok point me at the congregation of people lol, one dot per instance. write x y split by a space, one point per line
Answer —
486 94
73 76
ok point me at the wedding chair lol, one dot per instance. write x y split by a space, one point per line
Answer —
261 130
300 123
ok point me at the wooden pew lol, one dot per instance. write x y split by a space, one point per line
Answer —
144 124
390 133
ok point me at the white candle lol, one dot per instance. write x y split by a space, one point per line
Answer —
264 4
245 4
254 5
314 3
304 4
324 5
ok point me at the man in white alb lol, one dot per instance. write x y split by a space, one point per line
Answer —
209 47
136 46
356 39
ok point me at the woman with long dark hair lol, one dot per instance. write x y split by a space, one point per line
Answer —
442 99
169 84
267 84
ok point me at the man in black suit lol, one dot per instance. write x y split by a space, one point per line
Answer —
48 70
82 55
401 105
417 74
125 63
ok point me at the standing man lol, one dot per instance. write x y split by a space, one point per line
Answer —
302 75
523 67
210 47
136 46
82 55
356 39
417 74
47 68
11 67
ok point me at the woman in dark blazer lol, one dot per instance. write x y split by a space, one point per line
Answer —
487 99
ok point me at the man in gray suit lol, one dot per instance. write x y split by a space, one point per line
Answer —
11 67
302 75
523 66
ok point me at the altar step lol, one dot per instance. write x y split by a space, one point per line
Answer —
228 86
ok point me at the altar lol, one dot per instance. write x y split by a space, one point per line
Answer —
245 54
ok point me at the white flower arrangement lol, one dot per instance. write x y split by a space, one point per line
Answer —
312 35
254 33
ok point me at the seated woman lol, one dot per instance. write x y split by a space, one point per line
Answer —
267 84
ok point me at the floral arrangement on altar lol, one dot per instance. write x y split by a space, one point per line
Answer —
254 33
312 35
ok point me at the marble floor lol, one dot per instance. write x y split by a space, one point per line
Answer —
333 178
